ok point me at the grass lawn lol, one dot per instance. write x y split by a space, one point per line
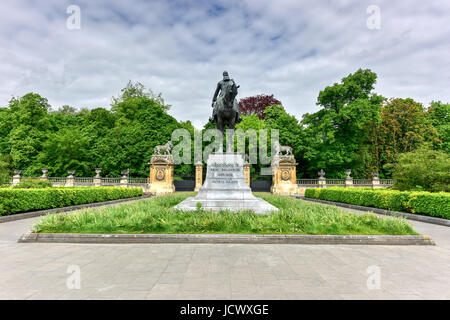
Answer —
155 215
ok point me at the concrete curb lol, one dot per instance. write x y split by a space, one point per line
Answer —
410 216
33 214
225 239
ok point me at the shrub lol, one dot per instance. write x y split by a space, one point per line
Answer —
427 203
434 204
29 183
23 200
423 170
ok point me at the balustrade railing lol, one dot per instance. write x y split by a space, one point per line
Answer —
110 181
335 182
84 180
305 182
144 182
387 182
56 179
362 182
138 181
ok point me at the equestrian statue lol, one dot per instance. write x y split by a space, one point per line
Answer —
224 103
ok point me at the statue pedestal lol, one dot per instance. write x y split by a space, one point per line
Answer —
225 188
161 174
284 180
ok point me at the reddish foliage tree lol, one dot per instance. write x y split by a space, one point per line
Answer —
257 104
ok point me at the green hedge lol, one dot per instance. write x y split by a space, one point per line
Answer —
23 200
426 203
30 183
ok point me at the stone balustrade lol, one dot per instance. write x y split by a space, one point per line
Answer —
97 181
125 181
322 182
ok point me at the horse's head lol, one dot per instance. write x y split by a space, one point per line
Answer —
230 94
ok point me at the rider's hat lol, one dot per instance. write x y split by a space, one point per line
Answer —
225 76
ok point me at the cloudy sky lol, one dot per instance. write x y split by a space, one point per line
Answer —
292 49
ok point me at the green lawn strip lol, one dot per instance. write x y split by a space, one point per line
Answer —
156 215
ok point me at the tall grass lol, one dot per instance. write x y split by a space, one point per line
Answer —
156 215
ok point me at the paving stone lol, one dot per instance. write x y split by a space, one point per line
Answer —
221 271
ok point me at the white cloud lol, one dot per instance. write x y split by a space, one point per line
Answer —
291 49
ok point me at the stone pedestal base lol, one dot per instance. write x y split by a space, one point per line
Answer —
285 189
161 175
225 188
159 189
284 176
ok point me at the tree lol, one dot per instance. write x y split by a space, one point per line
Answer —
67 149
423 169
5 129
336 137
137 90
440 118
288 126
141 124
6 168
257 104
404 127
289 129
29 126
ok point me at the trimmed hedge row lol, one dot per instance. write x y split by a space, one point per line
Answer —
23 200
426 203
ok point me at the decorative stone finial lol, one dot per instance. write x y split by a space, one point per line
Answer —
321 174
348 172
125 173
44 173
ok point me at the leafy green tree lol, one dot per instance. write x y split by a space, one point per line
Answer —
5 129
440 118
67 149
29 126
404 127
423 169
136 91
289 128
6 168
141 124
335 136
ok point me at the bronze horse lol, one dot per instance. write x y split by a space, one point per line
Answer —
226 107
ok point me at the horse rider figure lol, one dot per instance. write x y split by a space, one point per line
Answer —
221 87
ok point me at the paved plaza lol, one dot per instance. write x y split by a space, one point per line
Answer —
221 271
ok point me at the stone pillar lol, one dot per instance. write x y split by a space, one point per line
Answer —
161 174
70 181
97 178
124 178
247 172
321 181
198 176
348 179
375 180
284 179
16 178
44 174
